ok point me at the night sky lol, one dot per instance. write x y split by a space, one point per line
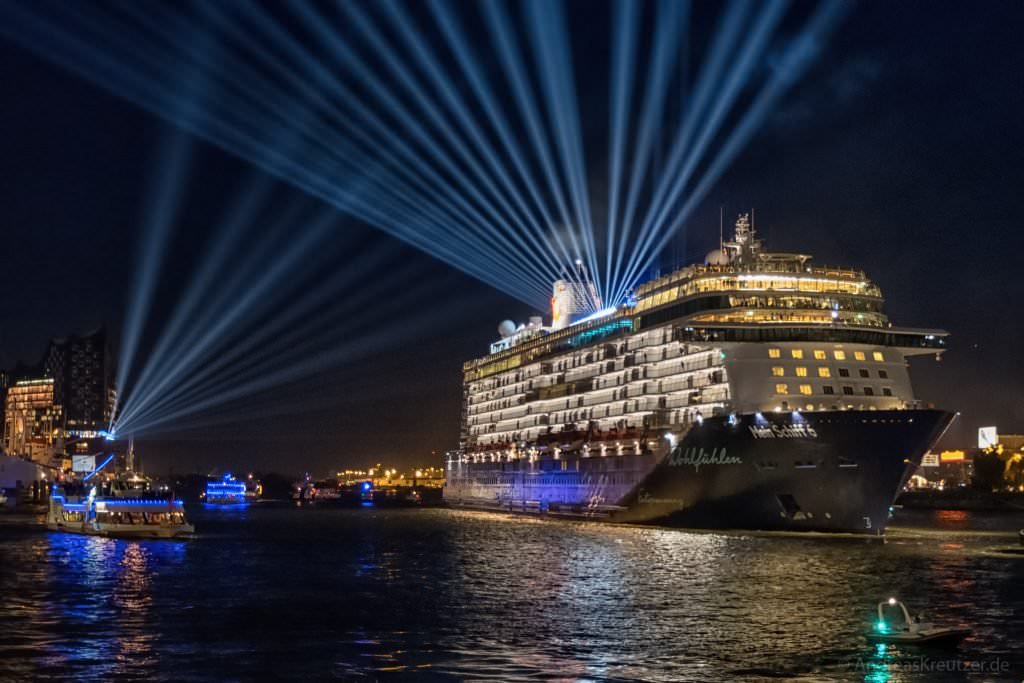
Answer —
901 152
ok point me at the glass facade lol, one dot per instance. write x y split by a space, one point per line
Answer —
31 419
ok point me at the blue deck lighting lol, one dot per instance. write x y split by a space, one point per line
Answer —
225 490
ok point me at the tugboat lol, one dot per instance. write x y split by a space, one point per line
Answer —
137 518
894 625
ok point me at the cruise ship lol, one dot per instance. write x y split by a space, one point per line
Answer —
756 391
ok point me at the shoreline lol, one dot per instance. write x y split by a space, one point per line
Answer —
963 499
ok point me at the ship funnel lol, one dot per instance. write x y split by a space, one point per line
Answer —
571 301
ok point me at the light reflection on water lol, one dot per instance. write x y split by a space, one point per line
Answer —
443 595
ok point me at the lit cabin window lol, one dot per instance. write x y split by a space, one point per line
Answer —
797 353
801 372
805 389
774 353
819 354
778 371
824 372
858 355
781 388
840 355
877 355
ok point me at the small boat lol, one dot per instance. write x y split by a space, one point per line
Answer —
139 518
894 625
226 491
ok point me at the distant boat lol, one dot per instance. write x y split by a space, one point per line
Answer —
226 491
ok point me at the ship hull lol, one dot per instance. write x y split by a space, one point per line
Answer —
831 471
176 532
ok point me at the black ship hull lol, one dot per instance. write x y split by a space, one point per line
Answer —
830 471
833 471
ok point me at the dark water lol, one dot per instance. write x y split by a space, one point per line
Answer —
370 594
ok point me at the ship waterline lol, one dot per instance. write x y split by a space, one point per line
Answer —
754 392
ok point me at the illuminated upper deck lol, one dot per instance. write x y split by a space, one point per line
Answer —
740 288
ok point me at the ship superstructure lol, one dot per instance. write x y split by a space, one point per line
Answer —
763 350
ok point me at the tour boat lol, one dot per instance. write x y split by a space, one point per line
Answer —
94 515
226 491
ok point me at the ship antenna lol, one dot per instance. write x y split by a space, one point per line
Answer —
753 228
721 239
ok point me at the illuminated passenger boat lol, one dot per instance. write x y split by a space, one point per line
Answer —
117 517
226 491
755 391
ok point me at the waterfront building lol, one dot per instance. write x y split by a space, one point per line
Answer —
947 469
82 368
756 390
31 419
62 405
